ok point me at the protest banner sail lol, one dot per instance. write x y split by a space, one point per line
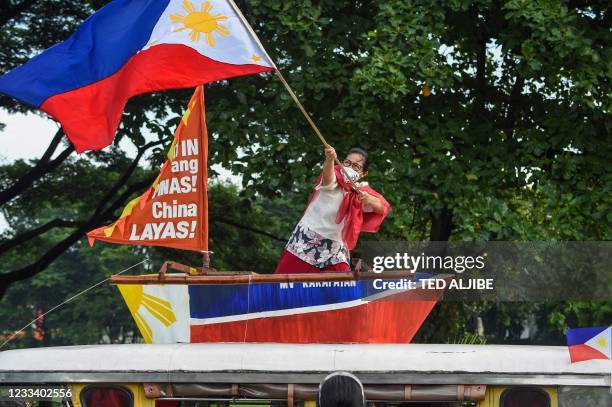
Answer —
173 212
130 47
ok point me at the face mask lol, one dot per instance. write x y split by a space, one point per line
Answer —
351 173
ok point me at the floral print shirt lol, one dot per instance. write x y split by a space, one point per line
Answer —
315 249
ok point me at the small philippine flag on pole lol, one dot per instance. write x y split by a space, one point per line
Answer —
589 343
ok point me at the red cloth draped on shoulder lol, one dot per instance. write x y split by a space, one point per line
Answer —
355 220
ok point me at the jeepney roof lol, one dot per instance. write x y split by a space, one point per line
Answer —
302 363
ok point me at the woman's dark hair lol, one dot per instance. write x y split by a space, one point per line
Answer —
341 389
363 153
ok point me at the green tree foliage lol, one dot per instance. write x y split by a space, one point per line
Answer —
485 120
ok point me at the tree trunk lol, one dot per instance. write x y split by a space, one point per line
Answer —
441 225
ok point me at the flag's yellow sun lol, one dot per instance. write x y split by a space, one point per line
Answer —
200 22
602 342
137 300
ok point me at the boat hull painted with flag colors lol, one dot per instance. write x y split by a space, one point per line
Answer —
589 343
130 47
322 312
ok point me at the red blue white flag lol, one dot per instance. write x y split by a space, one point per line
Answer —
130 47
589 343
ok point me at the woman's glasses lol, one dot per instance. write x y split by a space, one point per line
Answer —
356 166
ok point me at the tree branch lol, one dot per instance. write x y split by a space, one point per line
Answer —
56 251
52 147
481 38
441 225
481 80
120 202
55 223
32 233
247 228
124 178
513 103
42 167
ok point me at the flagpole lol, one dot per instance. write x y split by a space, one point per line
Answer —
314 127
204 164
250 29
290 91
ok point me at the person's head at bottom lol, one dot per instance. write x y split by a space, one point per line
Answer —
341 389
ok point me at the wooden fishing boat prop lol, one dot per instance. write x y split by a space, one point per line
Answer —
358 307
200 304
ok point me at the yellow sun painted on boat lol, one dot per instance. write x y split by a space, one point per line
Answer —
200 22
138 301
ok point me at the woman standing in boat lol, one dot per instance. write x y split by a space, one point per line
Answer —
335 216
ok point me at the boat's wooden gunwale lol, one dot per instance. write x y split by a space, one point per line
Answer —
234 278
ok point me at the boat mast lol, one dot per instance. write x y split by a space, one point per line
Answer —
204 171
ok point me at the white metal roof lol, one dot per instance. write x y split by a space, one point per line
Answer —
242 362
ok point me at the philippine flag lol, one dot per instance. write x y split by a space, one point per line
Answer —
130 47
589 343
